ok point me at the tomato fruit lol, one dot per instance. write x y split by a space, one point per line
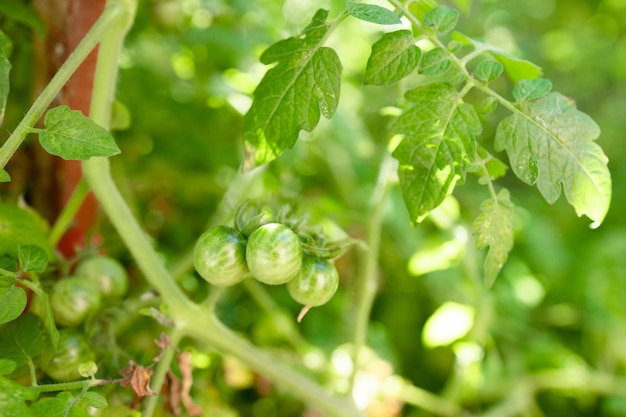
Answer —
220 256
107 273
316 283
73 299
72 351
274 254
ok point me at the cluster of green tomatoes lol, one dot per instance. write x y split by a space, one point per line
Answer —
273 253
73 300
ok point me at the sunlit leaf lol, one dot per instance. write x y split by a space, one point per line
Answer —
450 322
71 135
441 19
551 143
493 228
435 62
439 137
515 67
488 70
527 90
291 95
372 13
393 57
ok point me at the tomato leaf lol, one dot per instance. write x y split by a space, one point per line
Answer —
527 90
5 69
4 176
20 226
488 70
439 138
393 57
494 228
373 14
435 62
13 397
551 143
441 19
516 68
12 300
94 399
63 404
32 258
291 95
22 339
71 135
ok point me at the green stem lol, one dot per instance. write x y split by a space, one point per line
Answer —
97 171
205 327
74 385
67 214
368 281
428 401
190 319
158 378
95 34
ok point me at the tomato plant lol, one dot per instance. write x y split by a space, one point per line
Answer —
73 351
316 283
107 273
74 299
412 214
274 254
220 256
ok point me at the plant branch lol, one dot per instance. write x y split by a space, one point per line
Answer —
109 17
159 376
368 281
205 327
70 209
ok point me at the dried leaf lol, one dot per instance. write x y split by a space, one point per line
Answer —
185 366
137 377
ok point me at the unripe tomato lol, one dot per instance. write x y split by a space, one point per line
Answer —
72 351
316 283
73 299
274 254
220 256
107 273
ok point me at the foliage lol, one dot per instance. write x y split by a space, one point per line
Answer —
426 107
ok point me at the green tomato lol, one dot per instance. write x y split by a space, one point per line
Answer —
274 254
72 351
316 283
107 273
220 256
73 299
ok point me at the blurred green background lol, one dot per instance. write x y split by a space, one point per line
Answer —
555 321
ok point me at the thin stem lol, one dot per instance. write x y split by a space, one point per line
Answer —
73 385
69 211
428 401
368 281
95 34
158 378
